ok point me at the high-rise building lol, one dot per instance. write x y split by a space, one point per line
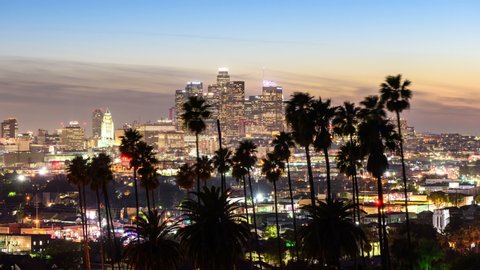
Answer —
97 118
232 110
272 107
9 128
73 137
107 136
181 96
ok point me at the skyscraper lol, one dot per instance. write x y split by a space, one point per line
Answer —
272 107
181 96
9 128
73 137
232 110
107 136
97 117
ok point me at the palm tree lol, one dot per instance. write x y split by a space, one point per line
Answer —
148 175
129 148
345 123
185 177
216 237
156 248
300 117
245 159
101 175
204 168
376 134
281 148
272 167
396 95
78 176
330 234
222 161
324 114
195 112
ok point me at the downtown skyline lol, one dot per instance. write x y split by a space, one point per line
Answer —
59 66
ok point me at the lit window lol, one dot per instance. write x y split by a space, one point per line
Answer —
34 243
40 243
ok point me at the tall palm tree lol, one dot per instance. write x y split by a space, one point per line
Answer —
156 248
195 112
204 168
281 148
216 237
78 176
376 135
244 160
222 161
129 148
324 114
149 181
272 167
185 177
330 234
396 95
300 116
345 124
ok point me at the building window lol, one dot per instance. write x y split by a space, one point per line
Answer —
40 243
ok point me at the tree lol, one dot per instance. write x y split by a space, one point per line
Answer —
396 95
376 134
78 176
330 234
281 148
147 161
222 161
324 114
244 160
272 167
156 248
195 112
129 148
345 123
300 116
185 177
204 168
438 198
213 217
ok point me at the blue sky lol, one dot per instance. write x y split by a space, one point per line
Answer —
337 49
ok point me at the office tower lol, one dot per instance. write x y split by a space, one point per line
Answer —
223 78
194 88
97 117
272 107
73 137
181 96
9 128
232 110
107 136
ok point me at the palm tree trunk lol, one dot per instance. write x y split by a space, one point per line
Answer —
254 217
82 218
380 220
329 182
198 162
222 175
148 199
152 193
136 192
405 185
310 176
246 214
102 251
111 228
87 247
293 210
277 225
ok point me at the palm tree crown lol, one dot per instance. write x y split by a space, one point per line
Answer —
300 116
396 93
156 248
204 168
185 177
330 234
216 237
282 144
222 160
195 112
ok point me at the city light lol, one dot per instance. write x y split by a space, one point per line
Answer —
21 177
